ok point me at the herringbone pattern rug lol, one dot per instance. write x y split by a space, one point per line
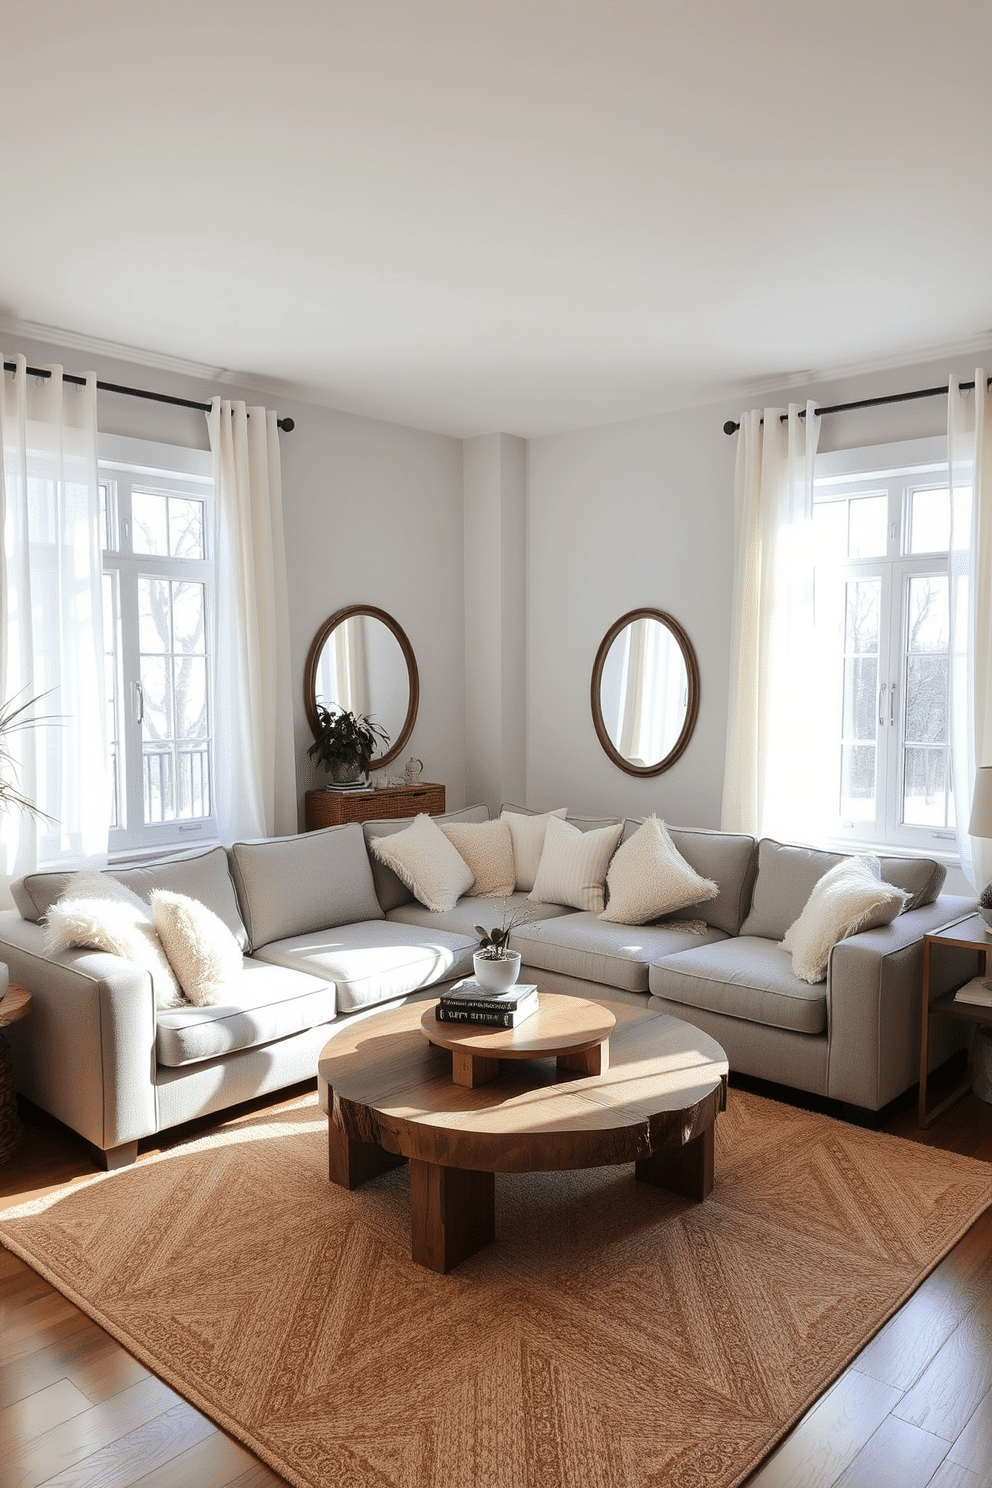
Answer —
613 1337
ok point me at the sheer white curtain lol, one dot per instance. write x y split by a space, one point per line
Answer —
255 768
772 729
969 439
52 636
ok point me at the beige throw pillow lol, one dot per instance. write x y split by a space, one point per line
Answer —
201 949
487 848
527 833
649 877
111 918
851 896
432 869
573 865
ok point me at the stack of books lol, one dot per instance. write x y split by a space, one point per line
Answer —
977 991
469 1002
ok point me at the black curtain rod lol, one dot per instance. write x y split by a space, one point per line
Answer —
286 424
731 428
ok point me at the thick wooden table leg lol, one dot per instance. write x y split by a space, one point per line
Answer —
594 1061
684 1170
452 1213
470 1069
351 1163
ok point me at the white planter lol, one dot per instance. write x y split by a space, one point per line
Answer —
496 976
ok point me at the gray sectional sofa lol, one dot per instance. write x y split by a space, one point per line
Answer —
329 933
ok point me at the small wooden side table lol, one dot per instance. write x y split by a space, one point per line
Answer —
15 1004
328 808
574 1032
967 934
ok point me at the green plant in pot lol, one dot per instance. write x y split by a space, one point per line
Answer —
496 966
14 717
346 743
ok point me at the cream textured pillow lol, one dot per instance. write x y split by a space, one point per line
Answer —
851 896
421 855
573 865
649 877
527 833
487 848
121 925
201 949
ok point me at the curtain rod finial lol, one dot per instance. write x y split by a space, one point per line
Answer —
287 425
730 427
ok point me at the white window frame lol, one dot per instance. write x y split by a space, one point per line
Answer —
167 469
897 470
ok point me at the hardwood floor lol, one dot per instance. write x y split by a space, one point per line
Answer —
914 1410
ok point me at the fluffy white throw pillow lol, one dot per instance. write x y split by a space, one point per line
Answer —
201 949
649 877
573 865
433 870
527 833
113 920
487 848
849 897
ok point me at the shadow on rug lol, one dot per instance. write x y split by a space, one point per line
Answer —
614 1336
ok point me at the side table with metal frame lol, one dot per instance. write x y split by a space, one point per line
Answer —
968 933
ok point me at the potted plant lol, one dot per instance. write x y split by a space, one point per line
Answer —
496 966
13 717
345 743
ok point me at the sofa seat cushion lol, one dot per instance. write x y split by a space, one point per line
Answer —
582 945
745 977
376 960
260 1005
486 910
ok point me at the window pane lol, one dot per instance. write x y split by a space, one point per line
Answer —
868 527
930 521
830 530
926 699
154 616
862 618
185 528
858 782
926 788
188 629
928 618
149 520
110 674
190 678
159 789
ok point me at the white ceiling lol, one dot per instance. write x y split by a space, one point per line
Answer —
524 215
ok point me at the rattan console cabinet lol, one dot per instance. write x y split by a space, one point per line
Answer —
328 808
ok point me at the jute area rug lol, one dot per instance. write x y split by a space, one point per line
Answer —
613 1337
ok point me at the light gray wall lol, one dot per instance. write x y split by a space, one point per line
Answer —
373 515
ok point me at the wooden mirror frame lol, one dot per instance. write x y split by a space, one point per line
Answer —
313 661
692 708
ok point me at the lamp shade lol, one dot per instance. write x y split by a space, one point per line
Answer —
981 804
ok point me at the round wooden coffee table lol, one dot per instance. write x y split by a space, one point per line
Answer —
389 1096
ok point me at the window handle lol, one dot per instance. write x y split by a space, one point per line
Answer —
881 705
139 702
892 703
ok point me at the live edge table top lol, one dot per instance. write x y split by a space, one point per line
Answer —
382 1083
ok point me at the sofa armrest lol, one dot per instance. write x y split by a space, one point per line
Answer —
874 985
86 1052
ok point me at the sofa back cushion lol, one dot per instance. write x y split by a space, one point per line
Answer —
390 890
205 876
787 875
730 859
294 885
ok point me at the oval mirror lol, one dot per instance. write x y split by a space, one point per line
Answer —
645 692
361 660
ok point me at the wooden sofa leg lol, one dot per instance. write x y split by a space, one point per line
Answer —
117 1157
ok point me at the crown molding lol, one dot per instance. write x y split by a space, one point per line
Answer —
117 351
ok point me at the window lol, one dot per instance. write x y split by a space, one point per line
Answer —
156 506
881 523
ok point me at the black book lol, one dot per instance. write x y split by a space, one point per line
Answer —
475 1017
471 994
